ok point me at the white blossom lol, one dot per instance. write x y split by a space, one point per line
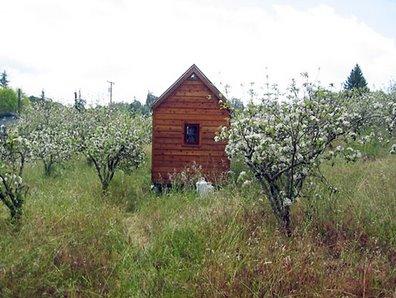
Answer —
284 139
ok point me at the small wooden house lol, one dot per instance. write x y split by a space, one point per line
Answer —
186 118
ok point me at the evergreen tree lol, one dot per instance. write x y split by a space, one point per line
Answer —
356 80
3 80
136 106
150 99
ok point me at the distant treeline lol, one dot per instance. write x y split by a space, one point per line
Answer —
12 101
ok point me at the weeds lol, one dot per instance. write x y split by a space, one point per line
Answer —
74 242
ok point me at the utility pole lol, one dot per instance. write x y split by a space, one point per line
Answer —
111 91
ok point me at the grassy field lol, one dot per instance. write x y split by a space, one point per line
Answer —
74 241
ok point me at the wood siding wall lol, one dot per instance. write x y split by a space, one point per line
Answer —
191 102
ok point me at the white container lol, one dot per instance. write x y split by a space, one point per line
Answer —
204 188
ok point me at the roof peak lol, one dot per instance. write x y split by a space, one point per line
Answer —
192 69
194 66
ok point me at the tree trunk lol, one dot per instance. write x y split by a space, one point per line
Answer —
21 165
281 211
287 220
47 169
105 186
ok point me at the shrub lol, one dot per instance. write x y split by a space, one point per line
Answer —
8 100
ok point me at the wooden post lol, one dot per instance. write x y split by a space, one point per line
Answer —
19 100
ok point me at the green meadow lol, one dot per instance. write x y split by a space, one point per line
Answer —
75 241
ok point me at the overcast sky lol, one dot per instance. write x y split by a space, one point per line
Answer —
63 46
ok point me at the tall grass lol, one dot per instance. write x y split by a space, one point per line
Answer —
74 241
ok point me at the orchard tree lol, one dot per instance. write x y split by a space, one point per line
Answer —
285 138
356 80
112 141
51 135
377 111
15 149
12 188
389 111
121 107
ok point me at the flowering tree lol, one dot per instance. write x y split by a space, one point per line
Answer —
15 149
48 127
377 111
12 187
285 138
112 141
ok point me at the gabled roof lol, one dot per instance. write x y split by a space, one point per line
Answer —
192 70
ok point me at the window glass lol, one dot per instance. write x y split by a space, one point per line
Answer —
191 134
